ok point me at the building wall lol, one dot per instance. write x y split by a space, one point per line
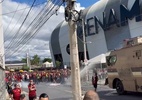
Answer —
64 41
54 43
98 41
108 37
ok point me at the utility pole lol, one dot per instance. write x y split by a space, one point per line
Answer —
2 57
28 61
74 59
84 45
2 60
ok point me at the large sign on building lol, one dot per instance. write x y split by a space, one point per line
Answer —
112 19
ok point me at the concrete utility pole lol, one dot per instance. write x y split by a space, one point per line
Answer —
2 60
2 57
74 59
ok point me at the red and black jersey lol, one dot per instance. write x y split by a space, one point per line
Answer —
16 93
32 90
94 79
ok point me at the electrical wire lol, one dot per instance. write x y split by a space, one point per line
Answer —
10 22
12 29
36 32
40 26
2 1
22 9
22 15
16 35
24 33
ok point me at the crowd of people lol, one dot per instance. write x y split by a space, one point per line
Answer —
13 78
39 76
16 92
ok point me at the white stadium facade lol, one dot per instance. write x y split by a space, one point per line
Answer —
107 24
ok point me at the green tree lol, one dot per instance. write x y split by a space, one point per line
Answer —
47 59
6 68
24 60
25 68
58 64
35 60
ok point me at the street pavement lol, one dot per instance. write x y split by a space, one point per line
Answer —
63 92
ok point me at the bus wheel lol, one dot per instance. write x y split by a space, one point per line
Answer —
119 87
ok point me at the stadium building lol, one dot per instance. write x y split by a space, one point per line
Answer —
107 24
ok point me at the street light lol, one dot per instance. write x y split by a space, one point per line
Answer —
84 41
84 45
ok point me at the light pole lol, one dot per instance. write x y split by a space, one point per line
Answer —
84 41
84 46
85 50
28 59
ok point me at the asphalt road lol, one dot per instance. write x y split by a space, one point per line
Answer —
63 92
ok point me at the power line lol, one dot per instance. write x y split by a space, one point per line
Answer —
2 1
12 29
40 27
55 3
22 9
10 21
28 40
22 24
24 33
43 22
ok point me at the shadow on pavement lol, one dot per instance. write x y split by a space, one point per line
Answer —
112 95
134 94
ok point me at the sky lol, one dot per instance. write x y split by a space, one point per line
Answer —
84 3
13 17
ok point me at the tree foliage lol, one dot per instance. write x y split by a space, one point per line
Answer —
58 64
47 59
35 60
25 68
24 60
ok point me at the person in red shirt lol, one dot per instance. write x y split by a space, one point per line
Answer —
16 92
32 90
95 80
